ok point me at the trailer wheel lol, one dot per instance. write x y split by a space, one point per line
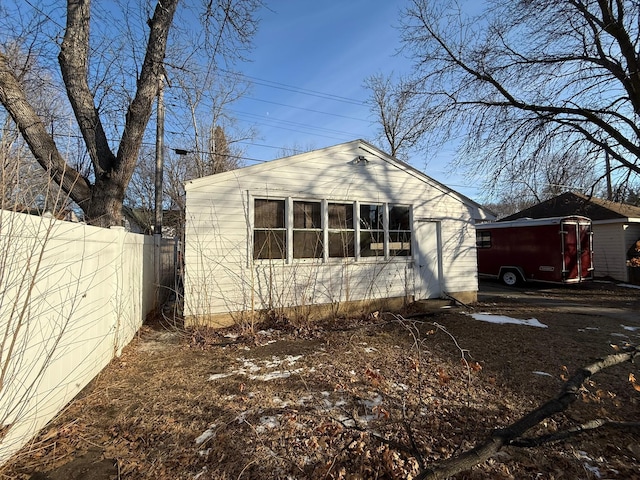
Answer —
509 278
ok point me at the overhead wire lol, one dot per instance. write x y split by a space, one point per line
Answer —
292 88
280 123
277 123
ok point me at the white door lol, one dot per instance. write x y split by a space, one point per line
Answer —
428 259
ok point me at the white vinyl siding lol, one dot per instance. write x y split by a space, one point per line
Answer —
610 244
221 275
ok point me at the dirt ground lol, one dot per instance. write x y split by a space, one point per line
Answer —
353 398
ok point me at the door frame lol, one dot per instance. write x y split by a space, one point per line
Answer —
428 280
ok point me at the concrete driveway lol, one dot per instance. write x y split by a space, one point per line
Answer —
592 298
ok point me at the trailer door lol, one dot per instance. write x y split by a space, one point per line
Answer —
428 259
586 242
570 256
576 251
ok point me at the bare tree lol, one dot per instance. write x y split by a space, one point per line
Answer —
211 142
401 118
179 167
531 79
25 185
117 70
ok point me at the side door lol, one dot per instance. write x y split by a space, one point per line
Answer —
428 259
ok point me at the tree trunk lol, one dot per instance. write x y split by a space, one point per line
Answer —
102 201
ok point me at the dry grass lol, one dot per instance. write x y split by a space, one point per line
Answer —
355 399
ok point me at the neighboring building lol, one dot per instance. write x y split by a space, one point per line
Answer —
616 226
142 220
342 228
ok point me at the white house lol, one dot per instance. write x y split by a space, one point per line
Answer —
339 227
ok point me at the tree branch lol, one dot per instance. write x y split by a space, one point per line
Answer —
572 432
73 60
151 73
41 144
506 436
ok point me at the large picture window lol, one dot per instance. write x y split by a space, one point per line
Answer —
307 230
290 229
341 231
269 233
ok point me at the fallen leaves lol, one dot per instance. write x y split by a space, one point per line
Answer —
151 411
443 377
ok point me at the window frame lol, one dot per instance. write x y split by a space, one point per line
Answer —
269 230
304 229
381 227
349 231
392 252
483 239
328 229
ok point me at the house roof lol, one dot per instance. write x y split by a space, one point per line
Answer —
571 203
354 145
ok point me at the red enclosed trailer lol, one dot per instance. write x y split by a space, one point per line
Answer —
557 250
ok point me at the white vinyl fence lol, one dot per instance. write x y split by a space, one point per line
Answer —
71 297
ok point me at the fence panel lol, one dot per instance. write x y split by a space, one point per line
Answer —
71 297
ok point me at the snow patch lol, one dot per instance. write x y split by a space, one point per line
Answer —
544 374
374 402
206 435
254 371
265 377
502 319
202 472
587 463
630 328
267 423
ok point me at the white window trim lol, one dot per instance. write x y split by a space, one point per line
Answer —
325 259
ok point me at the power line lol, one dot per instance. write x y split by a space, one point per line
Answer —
277 123
307 109
292 88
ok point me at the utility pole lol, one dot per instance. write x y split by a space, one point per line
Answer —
608 167
157 227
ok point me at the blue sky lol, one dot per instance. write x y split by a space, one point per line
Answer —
308 68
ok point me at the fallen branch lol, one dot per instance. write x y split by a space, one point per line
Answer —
509 435
572 432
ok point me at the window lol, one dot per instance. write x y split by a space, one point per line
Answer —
341 230
269 234
307 230
290 229
399 231
483 239
371 230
